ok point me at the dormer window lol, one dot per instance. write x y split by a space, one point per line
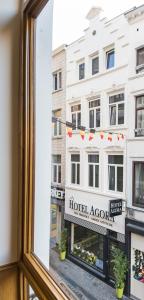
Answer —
110 59
81 71
140 60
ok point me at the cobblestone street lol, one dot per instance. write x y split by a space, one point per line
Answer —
81 285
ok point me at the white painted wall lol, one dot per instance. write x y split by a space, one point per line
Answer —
9 101
43 133
125 36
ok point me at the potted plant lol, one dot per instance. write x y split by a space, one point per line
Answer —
120 268
62 244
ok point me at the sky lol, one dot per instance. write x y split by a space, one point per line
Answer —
69 16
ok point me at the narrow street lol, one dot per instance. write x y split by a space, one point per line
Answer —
81 284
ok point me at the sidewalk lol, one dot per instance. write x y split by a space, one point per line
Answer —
81 285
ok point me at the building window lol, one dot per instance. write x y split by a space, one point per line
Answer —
93 170
139 131
81 71
76 115
87 246
140 60
115 173
57 130
95 65
57 81
94 114
116 109
110 59
56 169
75 168
138 184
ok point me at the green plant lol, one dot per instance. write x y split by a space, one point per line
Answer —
63 240
120 267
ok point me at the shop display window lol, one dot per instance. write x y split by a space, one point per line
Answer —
138 266
87 245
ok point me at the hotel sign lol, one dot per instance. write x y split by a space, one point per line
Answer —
57 193
115 208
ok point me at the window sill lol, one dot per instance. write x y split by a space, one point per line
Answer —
57 137
136 208
136 76
60 90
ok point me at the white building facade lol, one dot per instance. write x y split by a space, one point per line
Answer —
58 143
104 78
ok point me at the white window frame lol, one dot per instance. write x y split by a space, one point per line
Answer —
58 166
115 166
76 113
139 68
57 125
93 164
95 109
59 82
96 56
81 63
116 104
107 52
76 164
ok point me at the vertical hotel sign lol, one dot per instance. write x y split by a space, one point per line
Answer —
115 207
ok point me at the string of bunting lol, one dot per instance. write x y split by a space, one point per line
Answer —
91 132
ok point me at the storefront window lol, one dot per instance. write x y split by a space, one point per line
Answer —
138 266
87 245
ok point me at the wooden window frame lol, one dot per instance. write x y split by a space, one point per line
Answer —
31 269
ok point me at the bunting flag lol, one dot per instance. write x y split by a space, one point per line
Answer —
118 136
82 134
91 132
91 136
69 131
110 137
101 135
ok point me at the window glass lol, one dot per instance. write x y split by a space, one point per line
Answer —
139 116
110 56
115 172
93 174
119 179
91 118
98 117
75 168
140 56
121 113
76 116
94 114
138 199
111 178
82 71
115 159
95 65
113 115
116 109
88 245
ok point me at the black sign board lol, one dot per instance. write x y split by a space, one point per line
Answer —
115 207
